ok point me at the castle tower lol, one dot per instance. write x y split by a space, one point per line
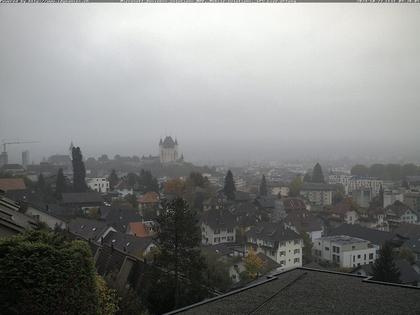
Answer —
168 150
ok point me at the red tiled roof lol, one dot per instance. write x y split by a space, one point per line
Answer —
138 229
149 197
12 184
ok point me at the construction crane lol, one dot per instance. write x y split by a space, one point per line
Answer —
3 156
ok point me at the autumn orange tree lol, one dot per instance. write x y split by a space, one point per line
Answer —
253 264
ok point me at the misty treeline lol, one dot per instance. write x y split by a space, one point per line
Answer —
386 171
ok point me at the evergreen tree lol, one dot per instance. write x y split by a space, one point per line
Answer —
263 187
60 184
178 253
229 188
295 187
113 180
384 268
79 171
41 184
317 175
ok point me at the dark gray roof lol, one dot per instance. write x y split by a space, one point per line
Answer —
354 230
86 197
119 217
168 142
266 202
218 219
131 244
275 232
304 221
309 291
408 230
87 228
13 220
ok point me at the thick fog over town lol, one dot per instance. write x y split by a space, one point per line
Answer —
209 159
232 83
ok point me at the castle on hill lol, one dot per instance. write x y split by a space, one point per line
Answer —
168 150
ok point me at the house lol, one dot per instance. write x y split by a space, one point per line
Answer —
84 200
98 184
88 229
345 211
311 291
131 244
139 229
12 169
149 200
279 243
12 184
413 182
408 274
293 204
399 212
344 250
12 220
119 217
412 199
218 226
304 222
390 196
362 196
318 194
375 237
42 215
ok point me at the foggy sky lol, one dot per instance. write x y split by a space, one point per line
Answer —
247 81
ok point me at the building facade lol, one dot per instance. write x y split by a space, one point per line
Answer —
346 251
99 184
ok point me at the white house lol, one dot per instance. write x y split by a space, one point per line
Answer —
400 213
346 251
217 226
99 184
47 218
277 242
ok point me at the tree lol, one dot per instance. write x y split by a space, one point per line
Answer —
295 186
60 184
42 273
178 254
307 248
407 254
317 175
108 298
229 188
132 200
113 180
253 264
132 180
174 186
147 182
79 171
41 185
384 268
263 187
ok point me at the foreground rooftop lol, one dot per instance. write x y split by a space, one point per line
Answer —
311 291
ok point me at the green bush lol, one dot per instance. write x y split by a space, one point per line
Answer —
41 273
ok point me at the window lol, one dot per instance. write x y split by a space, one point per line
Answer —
358 256
353 259
283 253
282 262
371 256
230 230
364 256
230 238
296 260
327 248
217 231
297 251
296 242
